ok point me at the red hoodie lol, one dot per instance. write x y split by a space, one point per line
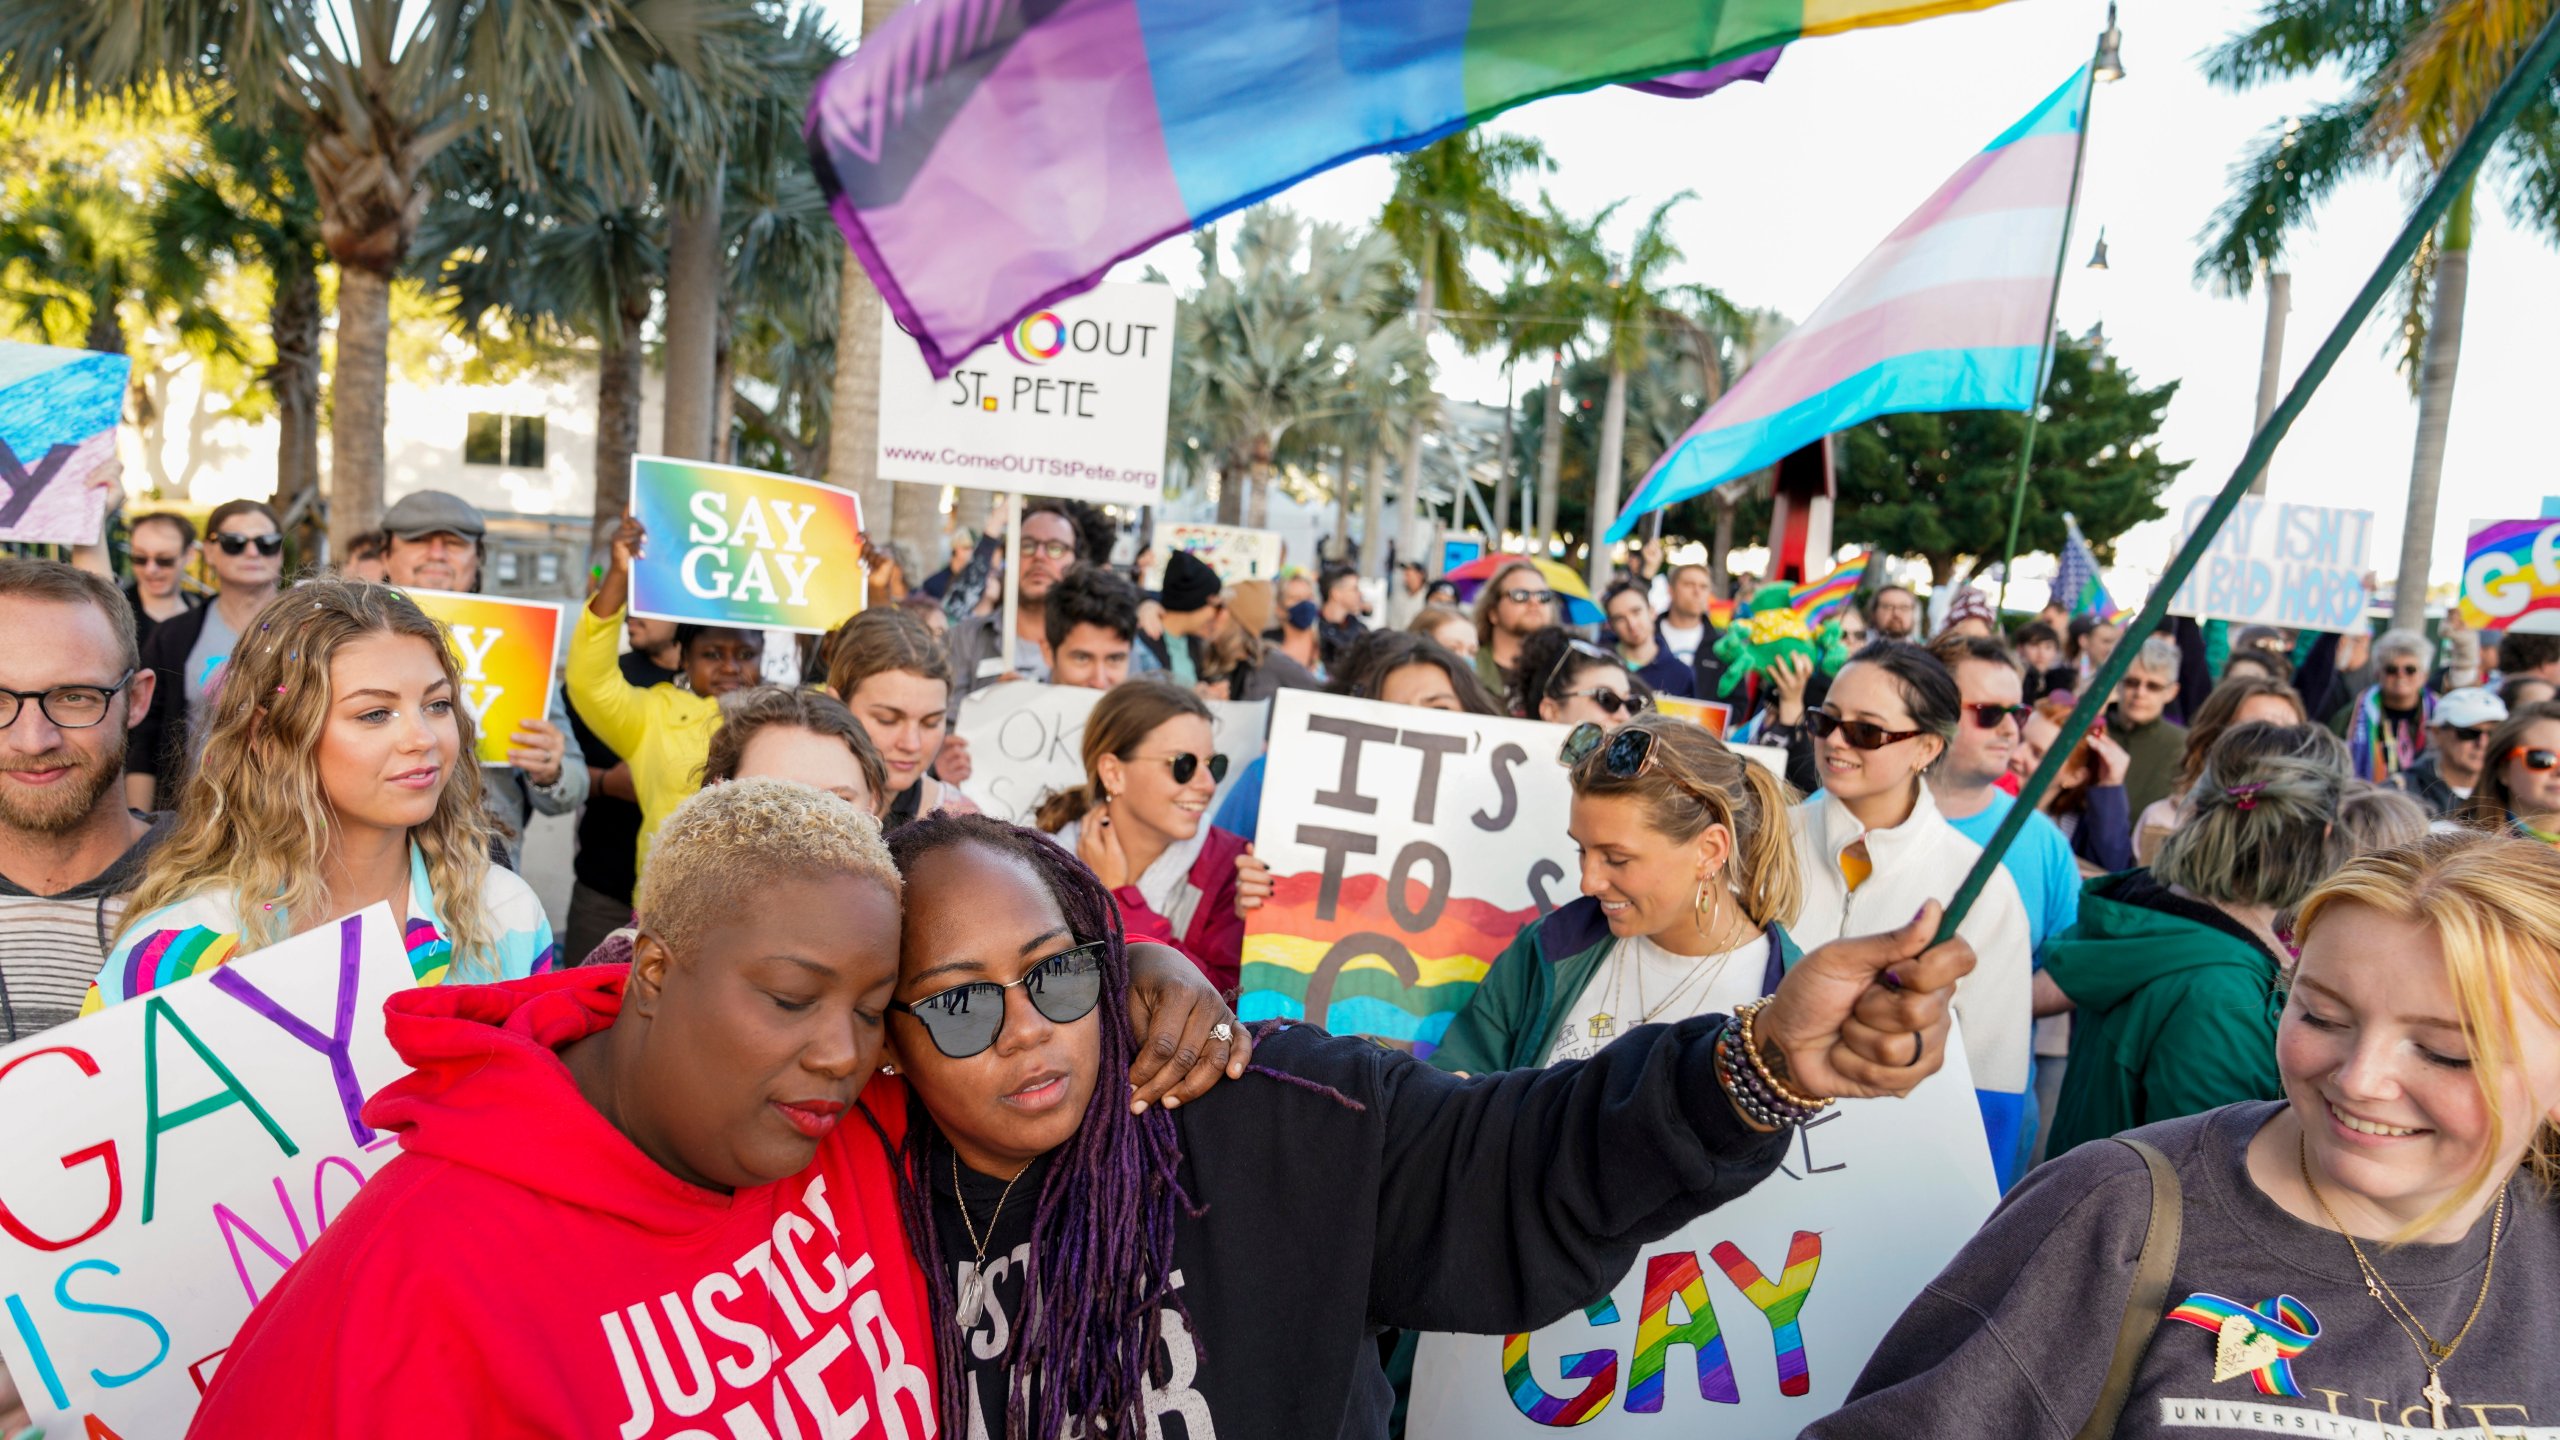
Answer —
522 1269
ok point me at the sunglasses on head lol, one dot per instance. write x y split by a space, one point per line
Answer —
1187 765
965 1019
2535 759
268 544
1857 734
1988 717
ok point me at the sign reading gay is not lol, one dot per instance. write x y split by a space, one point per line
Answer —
731 546
507 651
163 1161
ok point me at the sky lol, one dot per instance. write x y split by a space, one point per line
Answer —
1799 178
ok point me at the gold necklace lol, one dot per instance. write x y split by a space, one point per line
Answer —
973 1290
2433 1354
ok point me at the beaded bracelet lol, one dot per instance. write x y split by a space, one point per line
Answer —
1762 1096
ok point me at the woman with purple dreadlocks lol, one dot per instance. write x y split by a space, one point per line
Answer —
1091 1271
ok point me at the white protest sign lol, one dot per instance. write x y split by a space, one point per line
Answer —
1234 552
2275 563
1752 1321
1069 402
172 1155
1407 848
1026 743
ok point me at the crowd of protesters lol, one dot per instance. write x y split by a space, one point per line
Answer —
2286 916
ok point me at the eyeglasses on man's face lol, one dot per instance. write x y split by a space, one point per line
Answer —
69 707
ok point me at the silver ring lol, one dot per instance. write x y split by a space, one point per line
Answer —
1222 1032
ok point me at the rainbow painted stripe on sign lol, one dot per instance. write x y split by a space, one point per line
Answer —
1782 1302
1599 1368
172 955
1360 973
2286 1321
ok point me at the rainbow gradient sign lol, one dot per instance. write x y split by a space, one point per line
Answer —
508 652
2510 569
744 548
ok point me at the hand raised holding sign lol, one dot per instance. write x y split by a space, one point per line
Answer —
613 592
1865 1016
536 748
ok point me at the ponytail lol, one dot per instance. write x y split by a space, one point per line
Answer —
1061 808
1767 879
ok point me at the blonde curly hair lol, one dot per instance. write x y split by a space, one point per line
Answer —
717 854
254 822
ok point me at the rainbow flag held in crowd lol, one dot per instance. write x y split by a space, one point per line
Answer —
1820 600
2077 587
988 157
1949 313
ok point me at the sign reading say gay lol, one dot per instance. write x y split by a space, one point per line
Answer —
2510 569
507 651
730 546
163 1161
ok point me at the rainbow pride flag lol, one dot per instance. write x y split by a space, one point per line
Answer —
1821 599
989 157
1286 964
1947 314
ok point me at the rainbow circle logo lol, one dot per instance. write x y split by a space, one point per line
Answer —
1037 337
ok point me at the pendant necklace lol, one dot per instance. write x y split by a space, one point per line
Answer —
2432 1353
973 1288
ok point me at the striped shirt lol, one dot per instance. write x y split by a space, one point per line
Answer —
51 945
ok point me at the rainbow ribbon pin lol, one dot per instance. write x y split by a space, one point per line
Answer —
2286 1321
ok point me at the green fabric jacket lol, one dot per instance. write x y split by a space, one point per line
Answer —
2153 754
2176 1016
1512 1020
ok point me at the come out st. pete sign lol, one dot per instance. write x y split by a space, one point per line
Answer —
2298 566
1752 1321
169 1157
1069 402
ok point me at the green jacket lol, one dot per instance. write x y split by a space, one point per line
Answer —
1518 1009
2176 1013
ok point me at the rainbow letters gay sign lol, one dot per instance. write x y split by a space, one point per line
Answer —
2510 569
1753 1319
507 651
164 1160
731 546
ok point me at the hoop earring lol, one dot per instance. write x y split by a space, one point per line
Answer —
1698 910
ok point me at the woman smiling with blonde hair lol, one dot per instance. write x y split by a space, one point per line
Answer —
338 774
2377 1252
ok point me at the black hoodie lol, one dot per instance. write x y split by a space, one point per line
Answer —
1492 1204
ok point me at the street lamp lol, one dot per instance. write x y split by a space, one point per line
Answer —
2110 62
2098 257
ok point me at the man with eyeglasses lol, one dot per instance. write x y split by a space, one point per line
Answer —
1514 605
1991 683
2443 778
1050 548
71 688
160 548
2154 745
245 551
2387 731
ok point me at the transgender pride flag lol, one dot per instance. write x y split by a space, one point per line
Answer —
1948 314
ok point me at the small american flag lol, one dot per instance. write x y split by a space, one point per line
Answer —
2077 586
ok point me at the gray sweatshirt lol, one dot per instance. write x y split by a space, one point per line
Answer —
2013 1338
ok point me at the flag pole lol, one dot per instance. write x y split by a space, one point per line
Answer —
2523 85
2044 351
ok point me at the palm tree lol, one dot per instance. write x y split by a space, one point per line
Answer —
853 449
1547 309
786 262
379 89
1450 203
2419 75
1284 335
245 202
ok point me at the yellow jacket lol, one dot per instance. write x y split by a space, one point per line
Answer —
661 732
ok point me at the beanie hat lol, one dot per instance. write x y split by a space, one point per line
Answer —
1189 583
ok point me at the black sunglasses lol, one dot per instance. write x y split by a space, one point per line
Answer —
1186 765
1610 702
965 1019
1988 717
268 544
2477 734
1857 734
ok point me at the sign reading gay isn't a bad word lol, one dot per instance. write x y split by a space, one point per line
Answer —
2298 566
1407 847
1752 1321
166 1159
507 651
730 546
2510 569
